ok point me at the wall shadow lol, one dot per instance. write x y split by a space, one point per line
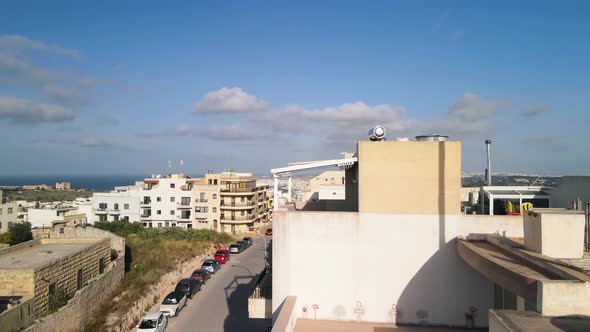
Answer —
438 283
577 323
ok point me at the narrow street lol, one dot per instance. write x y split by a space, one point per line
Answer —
222 304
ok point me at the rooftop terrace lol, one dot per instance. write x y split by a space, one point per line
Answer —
37 254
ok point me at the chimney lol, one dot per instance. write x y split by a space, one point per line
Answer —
489 169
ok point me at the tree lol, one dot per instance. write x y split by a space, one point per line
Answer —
21 232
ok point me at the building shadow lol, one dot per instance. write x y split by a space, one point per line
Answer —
577 323
237 293
442 291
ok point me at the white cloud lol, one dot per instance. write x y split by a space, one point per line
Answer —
22 110
532 110
12 67
229 100
472 107
63 95
15 44
237 132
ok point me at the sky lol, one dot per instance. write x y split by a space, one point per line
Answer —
115 87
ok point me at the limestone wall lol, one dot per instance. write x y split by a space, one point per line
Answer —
64 273
18 317
16 282
85 304
67 232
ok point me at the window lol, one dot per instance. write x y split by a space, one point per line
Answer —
241 213
126 206
171 212
101 265
185 201
0 211
202 197
116 217
214 181
172 199
185 214
242 199
159 224
158 199
173 224
51 290
10 210
102 217
116 207
102 206
214 209
158 211
79 279
189 226
214 196
61 230
172 185
9 224
210 181
126 218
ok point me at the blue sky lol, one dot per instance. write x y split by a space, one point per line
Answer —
116 88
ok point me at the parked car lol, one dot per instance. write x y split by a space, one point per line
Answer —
173 303
268 232
244 244
153 322
211 265
188 286
235 248
222 256
201 275
248 240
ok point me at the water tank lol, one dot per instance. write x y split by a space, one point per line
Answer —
432 138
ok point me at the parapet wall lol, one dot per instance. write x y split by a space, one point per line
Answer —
85 304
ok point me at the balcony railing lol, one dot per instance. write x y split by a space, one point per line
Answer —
238 204
246 217
201 200
263 288
146 202
145 215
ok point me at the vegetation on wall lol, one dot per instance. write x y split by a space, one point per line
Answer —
45 195
149 254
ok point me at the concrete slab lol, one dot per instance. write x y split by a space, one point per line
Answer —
39 255
310 325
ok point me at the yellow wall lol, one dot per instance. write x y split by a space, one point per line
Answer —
410 177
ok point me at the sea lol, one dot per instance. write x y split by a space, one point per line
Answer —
93 182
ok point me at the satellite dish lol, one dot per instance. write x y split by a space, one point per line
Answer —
377 133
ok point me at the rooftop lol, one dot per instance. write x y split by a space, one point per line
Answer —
532 321
37 255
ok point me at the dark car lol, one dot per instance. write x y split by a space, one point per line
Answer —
235 248
243 244
211 265
201 275
248 240
188 286
268 232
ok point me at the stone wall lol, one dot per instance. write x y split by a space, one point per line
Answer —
85 304
17 317
17 282
69 232
64 273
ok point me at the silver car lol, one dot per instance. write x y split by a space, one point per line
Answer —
210 265
153 322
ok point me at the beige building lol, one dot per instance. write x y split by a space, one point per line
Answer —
63 186
429 264
328 181
230 202
43 268
9 215
36 187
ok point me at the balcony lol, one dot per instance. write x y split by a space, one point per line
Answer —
237 205
146 215
183 206
239 219
145 202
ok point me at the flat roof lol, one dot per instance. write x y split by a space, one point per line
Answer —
532 321
312 325
40 255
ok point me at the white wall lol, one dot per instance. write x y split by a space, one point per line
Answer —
357 266
130 197
42 217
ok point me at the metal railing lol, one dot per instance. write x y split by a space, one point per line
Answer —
587 228
262 292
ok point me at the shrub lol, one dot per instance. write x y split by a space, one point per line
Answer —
21 232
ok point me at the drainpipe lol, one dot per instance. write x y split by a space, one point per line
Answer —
489 170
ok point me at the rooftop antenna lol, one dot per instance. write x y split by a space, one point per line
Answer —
489 169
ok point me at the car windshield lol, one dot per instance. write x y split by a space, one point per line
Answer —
148 324
207 264
170 300
233 246
219 255
182 287
198 273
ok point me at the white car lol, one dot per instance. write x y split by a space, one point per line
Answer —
173 303
153 322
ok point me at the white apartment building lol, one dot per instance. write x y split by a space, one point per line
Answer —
44 216
166 201
119 204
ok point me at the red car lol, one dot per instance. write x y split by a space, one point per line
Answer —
222 256
201 275
268 232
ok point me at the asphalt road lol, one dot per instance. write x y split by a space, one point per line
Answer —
222 304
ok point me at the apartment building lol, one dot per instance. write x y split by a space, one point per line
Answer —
63 186
43 217
166 201
230 202
120 204
9 215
